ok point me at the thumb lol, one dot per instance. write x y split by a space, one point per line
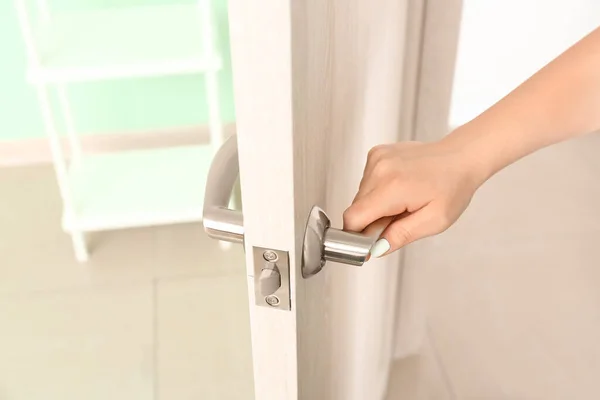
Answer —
407 229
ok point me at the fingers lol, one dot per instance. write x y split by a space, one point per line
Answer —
377 155
374 156
375 229
378 203
418 225
367 183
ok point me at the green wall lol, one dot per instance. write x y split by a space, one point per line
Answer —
123 105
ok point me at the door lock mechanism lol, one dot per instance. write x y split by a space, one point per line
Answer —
271 278
322 243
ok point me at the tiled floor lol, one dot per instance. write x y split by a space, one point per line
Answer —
512 293
130 324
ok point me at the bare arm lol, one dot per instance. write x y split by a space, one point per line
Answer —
561 101
420 189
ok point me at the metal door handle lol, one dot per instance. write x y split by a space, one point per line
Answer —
219 221
321 242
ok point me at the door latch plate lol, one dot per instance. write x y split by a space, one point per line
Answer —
265 258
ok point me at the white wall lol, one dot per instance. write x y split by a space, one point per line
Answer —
503 42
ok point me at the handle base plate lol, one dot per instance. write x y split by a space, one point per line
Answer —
314 239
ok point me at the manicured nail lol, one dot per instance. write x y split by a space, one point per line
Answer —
380 248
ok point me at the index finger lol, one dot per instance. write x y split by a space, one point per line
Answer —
380 202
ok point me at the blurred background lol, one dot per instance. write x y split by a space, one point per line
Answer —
122 305
508 298
125 105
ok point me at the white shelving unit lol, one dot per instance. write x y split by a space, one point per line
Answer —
134 188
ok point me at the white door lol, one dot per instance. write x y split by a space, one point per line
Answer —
317 83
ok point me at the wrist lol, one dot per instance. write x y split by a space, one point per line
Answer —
474 152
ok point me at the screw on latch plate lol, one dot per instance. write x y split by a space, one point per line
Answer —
272 300
272 278
270 255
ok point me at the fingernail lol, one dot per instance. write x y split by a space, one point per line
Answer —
380 248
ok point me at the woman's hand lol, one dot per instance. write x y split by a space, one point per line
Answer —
416 189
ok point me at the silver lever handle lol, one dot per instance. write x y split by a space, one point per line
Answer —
219 221
323 243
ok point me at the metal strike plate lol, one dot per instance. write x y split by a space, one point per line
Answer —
265 258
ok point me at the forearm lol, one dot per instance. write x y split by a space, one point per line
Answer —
559 102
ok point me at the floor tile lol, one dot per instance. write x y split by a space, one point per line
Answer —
91 344
40 278
47 262
35 254
204 339
186 250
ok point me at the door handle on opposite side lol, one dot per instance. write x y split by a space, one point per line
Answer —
219 221
321 242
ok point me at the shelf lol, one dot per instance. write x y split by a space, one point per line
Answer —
121 43
138 188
